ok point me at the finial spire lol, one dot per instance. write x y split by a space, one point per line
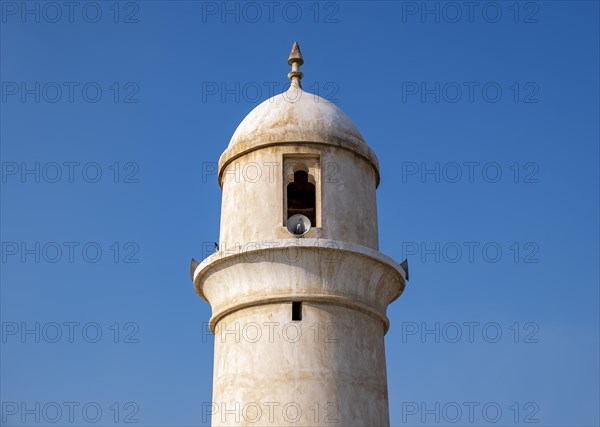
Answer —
295 60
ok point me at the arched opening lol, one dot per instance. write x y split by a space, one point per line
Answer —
301 197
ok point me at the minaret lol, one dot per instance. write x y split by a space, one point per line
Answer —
298 287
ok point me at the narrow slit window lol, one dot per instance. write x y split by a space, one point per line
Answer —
301 197
296 310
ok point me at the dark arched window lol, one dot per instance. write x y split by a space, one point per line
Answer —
301 197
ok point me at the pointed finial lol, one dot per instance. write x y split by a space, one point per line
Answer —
295 55
295 60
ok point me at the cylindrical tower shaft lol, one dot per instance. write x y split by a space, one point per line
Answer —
299 322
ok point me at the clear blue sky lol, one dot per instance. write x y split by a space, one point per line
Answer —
150 101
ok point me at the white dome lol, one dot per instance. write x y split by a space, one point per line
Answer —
297 116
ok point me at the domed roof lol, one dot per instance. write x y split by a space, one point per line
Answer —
296 116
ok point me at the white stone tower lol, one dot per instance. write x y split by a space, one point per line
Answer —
299 320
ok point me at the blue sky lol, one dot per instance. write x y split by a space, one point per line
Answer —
485 122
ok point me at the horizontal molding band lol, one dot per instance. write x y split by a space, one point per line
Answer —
239 150
321 299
